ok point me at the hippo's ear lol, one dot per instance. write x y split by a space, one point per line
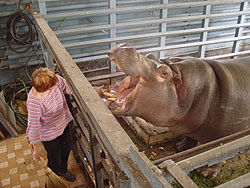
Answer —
175 59
163 72
176 74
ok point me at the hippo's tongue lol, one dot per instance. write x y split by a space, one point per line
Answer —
126 87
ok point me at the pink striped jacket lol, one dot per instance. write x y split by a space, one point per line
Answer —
48 116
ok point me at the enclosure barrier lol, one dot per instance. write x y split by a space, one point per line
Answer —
196 27
203 28
109 151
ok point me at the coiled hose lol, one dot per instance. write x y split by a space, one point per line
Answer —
24 38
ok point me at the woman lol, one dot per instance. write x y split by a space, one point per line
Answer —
48 120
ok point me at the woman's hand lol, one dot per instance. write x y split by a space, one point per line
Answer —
37 152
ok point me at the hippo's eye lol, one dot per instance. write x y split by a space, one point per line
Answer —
164 73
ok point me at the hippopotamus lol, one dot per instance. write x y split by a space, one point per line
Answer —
201 99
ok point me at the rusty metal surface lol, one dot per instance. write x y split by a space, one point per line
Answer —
202 148
212 156
179 174
240 182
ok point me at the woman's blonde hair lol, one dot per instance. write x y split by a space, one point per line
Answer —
43 79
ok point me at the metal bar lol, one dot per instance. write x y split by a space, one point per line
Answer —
230 55
157 49
147 21
83 147
96 70
213 156
194 44
95 158
151 172
44 52
205 23
202 148
170 42
112 21
42 7
139 8
106 76
179 174
154 35
163 28
240 182
238 31
77 6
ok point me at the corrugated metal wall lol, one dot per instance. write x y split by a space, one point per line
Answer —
88 28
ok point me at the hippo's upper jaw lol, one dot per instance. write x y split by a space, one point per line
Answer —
145 81
126 58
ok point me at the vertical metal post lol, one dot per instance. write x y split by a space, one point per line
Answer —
44 50
47 55
95 150
203 37
43 10
163 28
126 184
42 7
112 20
238 31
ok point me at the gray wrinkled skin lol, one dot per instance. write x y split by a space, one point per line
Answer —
201 99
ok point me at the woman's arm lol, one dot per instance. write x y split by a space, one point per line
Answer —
63 85
34 124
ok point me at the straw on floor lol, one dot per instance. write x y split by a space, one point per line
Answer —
52 180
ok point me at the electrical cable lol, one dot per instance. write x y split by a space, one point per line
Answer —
15 35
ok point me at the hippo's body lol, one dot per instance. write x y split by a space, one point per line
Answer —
202 99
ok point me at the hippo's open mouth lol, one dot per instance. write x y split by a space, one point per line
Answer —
124 95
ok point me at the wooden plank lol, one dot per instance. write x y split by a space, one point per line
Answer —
7 116
179 174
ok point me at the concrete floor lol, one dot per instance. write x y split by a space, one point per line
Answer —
18 170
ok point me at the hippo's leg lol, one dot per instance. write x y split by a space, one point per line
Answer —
186 143
213 170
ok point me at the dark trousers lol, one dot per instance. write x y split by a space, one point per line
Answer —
58 151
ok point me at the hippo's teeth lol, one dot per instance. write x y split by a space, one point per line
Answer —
112 99
110 95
